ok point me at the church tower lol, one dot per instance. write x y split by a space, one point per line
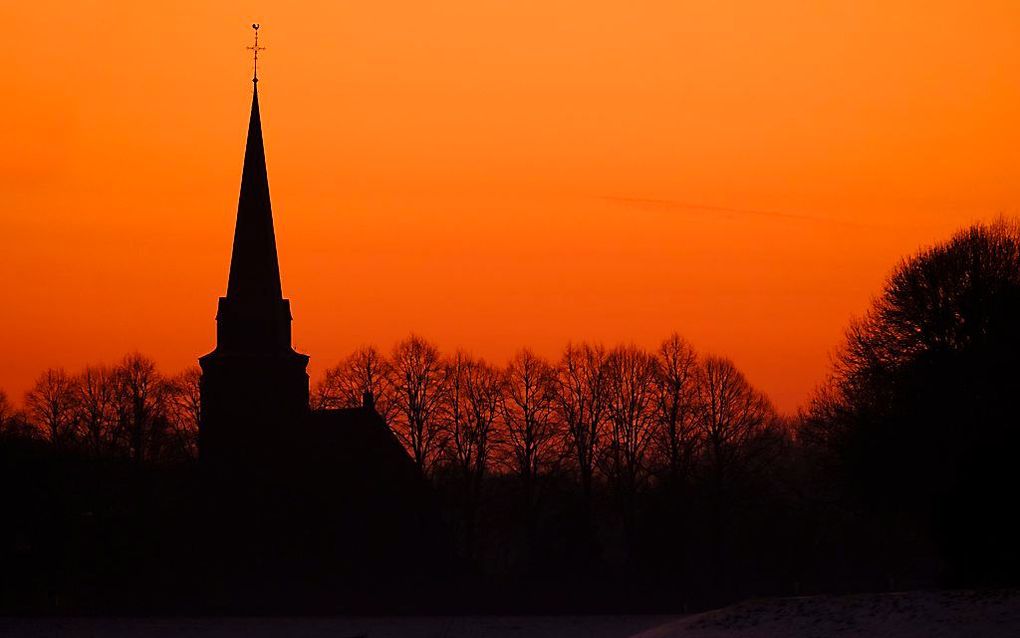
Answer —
254 386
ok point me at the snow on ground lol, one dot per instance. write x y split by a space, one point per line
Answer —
963 614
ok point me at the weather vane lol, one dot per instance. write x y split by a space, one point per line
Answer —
256 49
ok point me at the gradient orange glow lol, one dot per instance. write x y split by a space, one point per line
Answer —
495 174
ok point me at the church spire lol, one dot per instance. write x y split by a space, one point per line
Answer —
254 384
254 266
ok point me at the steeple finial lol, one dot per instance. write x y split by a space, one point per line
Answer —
255 49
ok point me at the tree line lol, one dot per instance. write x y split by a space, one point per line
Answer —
614 471
131 410
624 415
610 424
535 463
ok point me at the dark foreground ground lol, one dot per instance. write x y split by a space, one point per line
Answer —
985 614
408 627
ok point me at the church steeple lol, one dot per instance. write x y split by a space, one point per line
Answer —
253 383
254 266
253 317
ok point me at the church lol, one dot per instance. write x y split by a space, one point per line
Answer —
296 495
254 386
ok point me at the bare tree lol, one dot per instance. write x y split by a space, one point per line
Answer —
630 393
185 410
460 447
676 407
731 414
345 385
51 403
6 410
419 384
14 423
96 404
528 410
630 379
471 409
141 398
581 403
473 401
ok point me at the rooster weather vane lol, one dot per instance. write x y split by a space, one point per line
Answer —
256 49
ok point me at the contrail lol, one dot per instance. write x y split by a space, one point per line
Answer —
649 203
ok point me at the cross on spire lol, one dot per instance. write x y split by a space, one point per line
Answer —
256 49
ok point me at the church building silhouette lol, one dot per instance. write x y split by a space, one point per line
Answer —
296 492
254 386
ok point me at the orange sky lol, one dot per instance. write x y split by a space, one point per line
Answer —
494 174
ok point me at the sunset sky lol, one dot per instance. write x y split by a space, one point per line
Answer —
495 174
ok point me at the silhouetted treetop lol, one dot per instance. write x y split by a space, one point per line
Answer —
956 295
920 416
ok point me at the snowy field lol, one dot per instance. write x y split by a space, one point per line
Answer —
959 614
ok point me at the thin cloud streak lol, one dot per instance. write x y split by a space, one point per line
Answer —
647 203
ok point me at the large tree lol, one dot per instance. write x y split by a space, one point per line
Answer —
631 427
472 404
419 389
52 405
185 410
96 404
527 407
11 421
474 389
676 402
581 403
731 414
142 394
6 410
920 417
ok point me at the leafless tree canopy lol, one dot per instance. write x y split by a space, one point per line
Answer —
528 416
471 410
143 394
345 385
677 407
731 414
6 409
185 409
572 450
631 375
581 403
52 403
14 423
419 389
919 417
623 416
97 407
129 409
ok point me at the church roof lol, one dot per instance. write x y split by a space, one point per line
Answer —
362 437
254 267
